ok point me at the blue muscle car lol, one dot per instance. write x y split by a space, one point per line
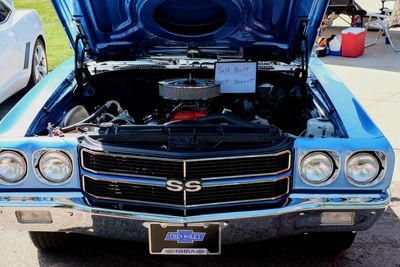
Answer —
190 124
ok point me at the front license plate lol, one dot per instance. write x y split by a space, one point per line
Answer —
190 239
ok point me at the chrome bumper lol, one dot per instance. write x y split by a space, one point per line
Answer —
70 213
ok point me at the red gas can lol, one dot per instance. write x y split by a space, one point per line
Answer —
353 42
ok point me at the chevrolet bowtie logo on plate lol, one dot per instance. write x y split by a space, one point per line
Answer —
185 236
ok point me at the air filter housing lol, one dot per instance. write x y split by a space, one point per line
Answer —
189 89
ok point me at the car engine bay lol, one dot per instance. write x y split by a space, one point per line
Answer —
132 100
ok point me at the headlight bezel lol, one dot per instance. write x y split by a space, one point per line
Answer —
38 155
382 161
24 159
336 163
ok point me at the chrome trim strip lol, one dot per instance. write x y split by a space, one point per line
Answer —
184 202
121 181
185 196
124 175
235 182
127 156
135 201
184 162
228 183
188 206
184 169
240 157
246 175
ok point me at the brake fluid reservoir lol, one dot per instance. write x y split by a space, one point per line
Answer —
320 127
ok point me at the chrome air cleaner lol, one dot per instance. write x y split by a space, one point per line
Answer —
189 89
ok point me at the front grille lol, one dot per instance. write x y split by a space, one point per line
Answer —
128 192
210 168
109 190
131 166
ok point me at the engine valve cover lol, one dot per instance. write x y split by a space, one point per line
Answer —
189 115
189 89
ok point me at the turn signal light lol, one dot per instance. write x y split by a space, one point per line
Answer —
337 218
34 217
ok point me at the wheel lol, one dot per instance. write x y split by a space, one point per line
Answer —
334 242
39 63
49 240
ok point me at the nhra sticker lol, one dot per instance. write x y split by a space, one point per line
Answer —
185 251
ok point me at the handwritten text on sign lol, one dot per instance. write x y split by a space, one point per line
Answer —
237 77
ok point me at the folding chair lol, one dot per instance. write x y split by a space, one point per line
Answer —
387 22
373 23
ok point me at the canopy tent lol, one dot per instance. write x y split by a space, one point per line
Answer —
345 7
341 2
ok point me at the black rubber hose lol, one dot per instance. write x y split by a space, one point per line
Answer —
96 114
226 118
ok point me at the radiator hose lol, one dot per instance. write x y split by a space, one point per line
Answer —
96 114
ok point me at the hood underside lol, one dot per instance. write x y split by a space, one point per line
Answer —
256 29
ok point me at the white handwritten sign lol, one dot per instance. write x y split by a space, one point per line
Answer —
236 77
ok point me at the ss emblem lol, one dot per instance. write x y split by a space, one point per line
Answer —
188 186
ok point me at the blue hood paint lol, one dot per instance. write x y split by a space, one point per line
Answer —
259 29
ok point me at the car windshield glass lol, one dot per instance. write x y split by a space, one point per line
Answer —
4 12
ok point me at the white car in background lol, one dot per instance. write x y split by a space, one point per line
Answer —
23 58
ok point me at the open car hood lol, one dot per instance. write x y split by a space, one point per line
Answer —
255 29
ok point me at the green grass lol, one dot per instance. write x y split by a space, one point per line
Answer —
56 40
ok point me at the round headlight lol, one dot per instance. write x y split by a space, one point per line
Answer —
317 168
362 168
55 166
12 167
